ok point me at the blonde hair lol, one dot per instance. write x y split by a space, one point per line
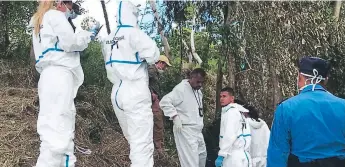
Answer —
44 6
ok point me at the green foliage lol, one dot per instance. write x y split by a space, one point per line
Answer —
15 16
93 65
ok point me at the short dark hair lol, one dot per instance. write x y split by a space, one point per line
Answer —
229 90
199 71
240 102
253 113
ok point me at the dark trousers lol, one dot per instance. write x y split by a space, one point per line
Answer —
327 162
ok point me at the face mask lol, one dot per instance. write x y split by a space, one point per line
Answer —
160 71
73 15
68 12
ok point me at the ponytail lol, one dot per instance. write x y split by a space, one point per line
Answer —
44 6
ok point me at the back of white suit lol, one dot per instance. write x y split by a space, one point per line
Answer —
259 144
128 50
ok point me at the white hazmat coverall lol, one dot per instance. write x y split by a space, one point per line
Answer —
260 139
235 137
128 51
56 49
185 102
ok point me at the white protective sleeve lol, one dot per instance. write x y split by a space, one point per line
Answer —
146 47
229 131
68 40
170 101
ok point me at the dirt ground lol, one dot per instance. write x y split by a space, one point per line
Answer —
19 142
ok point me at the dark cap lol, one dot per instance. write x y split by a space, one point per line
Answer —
76 9
307 65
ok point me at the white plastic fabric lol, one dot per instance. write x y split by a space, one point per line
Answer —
58 45
127 52
132 105
190 142
58 62
56 118
259 143
235 137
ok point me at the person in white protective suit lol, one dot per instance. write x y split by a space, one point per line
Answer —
234 137
127 53
184 106
260 138
56 49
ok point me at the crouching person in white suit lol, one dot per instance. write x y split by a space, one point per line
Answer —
127 53
235 138
184 106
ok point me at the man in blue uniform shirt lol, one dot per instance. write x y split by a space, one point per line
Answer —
309 129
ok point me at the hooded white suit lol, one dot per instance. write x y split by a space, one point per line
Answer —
235 137
127 52
56 49
260 139
182 101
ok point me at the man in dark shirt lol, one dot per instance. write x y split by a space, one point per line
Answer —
158 128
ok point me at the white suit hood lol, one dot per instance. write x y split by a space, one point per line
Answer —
237 106
127 13
255 124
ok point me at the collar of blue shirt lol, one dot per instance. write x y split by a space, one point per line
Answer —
309 87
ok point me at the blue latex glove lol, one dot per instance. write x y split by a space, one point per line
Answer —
94 30
219 161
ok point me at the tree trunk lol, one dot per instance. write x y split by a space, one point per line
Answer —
265 78
231 59
277 94
189 54
105 16
160 29
192 42
219 87
336 10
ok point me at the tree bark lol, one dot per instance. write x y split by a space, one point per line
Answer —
105 16
160 29
277 93
231 59
219 87
336 10
192 41
265 78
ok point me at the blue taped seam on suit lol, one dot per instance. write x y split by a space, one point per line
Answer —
116 96
67 160
246 157
245 143
244 135
120 6
122 61
48 50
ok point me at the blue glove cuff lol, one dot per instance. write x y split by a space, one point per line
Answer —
221 157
